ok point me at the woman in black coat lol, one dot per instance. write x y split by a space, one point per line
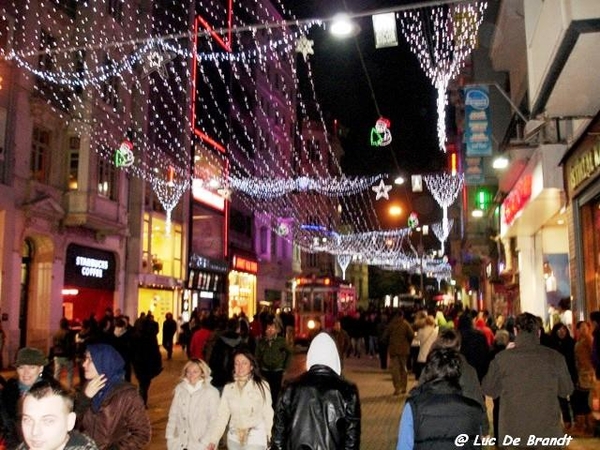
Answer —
561 341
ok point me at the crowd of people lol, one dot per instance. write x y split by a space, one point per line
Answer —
231 391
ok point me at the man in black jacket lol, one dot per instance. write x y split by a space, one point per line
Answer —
319 409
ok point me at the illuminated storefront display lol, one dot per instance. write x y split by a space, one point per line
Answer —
89 282
582 177
242 286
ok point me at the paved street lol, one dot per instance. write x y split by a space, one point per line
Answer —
380 410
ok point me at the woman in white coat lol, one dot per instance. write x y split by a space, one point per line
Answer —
194 407
245 406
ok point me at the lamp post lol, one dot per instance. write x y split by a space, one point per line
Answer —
424 230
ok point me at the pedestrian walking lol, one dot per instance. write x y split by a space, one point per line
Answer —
109 409
29 366
245 406
194 407
273 357
399 335
48 420
169 329
528 378
147 360
436 411
585 423
319 409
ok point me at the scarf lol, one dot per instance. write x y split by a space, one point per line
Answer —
108 362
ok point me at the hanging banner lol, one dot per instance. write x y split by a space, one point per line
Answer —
474 174
384 27
478 129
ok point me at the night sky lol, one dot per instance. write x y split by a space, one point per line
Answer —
403 93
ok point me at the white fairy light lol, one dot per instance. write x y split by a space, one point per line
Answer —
442 37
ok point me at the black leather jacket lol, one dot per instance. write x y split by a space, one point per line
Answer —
319 410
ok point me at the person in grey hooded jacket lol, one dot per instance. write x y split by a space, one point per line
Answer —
319 409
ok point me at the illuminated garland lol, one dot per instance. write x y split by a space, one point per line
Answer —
266 188
442 37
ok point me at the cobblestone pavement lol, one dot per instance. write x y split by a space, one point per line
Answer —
380 410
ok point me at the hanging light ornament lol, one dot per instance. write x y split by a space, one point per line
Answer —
445 188
442 37
413 220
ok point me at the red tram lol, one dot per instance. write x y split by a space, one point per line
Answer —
320 300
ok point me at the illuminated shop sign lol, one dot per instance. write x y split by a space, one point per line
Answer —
89 267
584 166
517 199
244 265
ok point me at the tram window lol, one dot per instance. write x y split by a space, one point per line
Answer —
304 305
318 303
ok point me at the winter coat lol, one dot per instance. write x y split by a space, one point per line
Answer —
77 441
319 409
248 408
440 413
399 335
121 422
273 354
192 410
221 358
528 379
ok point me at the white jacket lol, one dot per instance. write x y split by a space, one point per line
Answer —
192 410
245 409
426 336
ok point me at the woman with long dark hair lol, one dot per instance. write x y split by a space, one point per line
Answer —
246 406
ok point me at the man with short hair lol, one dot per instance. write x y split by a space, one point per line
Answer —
529 378
48 420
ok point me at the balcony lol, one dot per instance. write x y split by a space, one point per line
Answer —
96 213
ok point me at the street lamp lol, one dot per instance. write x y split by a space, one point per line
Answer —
395 211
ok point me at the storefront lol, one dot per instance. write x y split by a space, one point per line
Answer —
205 287
535 238
242 285
582 180
89 284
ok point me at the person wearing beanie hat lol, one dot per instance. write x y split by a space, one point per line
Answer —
319 409
109 409
29 366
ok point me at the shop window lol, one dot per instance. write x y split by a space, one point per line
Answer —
40 154
46 60
161 249
264 240
73 183
110 88
107 179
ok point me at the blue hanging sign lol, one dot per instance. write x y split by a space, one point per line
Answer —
478 129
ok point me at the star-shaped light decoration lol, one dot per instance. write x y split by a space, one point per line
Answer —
382 190
156 59
305 46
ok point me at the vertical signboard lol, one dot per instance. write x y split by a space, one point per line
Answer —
478 129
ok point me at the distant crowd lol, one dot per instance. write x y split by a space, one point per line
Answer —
232 394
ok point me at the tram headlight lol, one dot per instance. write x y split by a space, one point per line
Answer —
311 324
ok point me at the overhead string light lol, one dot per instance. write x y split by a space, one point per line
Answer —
442 37
118 75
